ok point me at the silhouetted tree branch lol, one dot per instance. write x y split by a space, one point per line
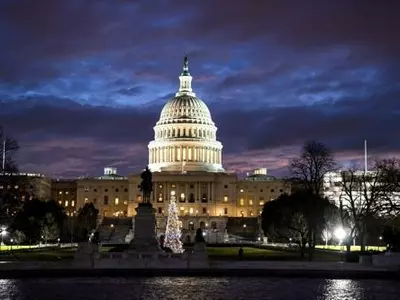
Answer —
11 148
310 167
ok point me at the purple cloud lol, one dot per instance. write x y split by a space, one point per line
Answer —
82 83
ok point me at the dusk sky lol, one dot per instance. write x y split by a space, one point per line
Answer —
82 83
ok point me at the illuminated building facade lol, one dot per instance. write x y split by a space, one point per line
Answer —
185 157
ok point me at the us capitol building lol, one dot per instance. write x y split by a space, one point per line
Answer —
186 157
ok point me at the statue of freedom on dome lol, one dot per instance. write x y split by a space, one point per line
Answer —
146 186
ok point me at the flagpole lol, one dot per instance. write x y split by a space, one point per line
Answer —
365 157
4 156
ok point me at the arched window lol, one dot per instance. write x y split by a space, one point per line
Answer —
191 225
213 225
202 225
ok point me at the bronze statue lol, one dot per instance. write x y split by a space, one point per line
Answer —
146 186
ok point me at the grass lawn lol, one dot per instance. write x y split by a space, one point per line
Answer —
352 248
216 253
15 247
38 254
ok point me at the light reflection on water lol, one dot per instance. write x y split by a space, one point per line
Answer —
197 288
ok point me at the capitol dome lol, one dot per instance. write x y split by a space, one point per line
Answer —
185 134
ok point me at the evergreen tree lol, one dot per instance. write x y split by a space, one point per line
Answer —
173 232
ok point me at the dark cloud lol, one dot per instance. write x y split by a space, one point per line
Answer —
274 73
309 24
92 137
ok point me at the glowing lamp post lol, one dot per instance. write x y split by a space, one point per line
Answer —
3 233
340 234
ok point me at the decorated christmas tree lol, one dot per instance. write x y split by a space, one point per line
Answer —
173 232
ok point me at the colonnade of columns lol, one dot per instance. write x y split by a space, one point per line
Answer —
171 154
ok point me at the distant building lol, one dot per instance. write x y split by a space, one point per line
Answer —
64 191
334 186
28 185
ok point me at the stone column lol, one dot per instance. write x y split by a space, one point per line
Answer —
198 191
165 194
186 192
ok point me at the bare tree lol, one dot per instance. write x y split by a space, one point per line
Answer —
310 167
11 147
364 197
308 170
390 169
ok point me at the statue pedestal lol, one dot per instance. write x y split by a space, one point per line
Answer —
145 239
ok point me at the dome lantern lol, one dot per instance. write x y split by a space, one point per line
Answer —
185 86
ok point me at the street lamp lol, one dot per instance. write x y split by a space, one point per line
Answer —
340 234
3 233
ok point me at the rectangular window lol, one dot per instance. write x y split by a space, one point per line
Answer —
72 203
86 200
250 202
66 203
116 201
225 186
204 198
225 198
261 203
241 201
105 200
225 210
204 210
160 210
191 198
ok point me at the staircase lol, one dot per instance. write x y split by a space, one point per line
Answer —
114 230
